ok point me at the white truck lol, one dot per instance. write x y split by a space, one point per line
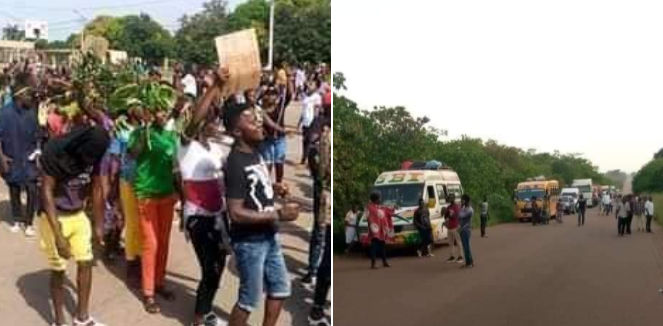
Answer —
586 188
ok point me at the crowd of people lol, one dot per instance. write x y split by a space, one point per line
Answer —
119 179
458 217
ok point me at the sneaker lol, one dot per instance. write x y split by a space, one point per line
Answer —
15 228
460 260
307 279
317 317
29 231
451 259
212 319
430 255
89 322
418 253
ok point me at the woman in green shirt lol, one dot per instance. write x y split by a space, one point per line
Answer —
154 148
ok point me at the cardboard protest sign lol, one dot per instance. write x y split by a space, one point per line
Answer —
239 52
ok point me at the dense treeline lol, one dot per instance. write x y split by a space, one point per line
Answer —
369 142
650 178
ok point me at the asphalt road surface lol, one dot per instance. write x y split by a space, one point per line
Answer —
556 274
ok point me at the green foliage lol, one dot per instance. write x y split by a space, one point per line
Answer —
142 37
147 94
195 38
13 33
302 30
367 143
659 154
649 178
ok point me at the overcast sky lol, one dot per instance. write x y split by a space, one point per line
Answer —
577 76
64 21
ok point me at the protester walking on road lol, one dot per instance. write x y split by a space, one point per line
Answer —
200 162
484 216
451 223
254 229
560 211
422 223
323 282
607 203
379 227
622 211
581 206
154 185
64 228
465 219
631 212
19 134
649 213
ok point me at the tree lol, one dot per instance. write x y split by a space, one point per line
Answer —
302 31
252 14
649 178
659 154
195 38
141 36
12 32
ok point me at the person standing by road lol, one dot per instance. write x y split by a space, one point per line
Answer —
536 212
379 227
649 212
351 227
639 214
581 206
465 219
621 212
484 216
422 223
451 223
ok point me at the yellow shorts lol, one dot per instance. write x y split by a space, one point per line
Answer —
76 229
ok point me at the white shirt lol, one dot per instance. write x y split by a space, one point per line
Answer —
606 199
300 77
649 208
199 164
189 83
309 104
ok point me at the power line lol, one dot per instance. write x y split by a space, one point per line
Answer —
136 4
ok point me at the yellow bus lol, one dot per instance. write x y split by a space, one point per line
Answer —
546 193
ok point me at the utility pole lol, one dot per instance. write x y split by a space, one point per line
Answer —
271 35
83 20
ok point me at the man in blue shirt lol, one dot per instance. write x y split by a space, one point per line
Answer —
19 134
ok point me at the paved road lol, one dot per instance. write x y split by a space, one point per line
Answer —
559 274
24 275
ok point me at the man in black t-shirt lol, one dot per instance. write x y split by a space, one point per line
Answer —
582 207
254 220
65 230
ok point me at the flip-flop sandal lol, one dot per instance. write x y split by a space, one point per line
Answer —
151 306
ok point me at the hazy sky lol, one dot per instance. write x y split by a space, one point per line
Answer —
64 21
573 75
